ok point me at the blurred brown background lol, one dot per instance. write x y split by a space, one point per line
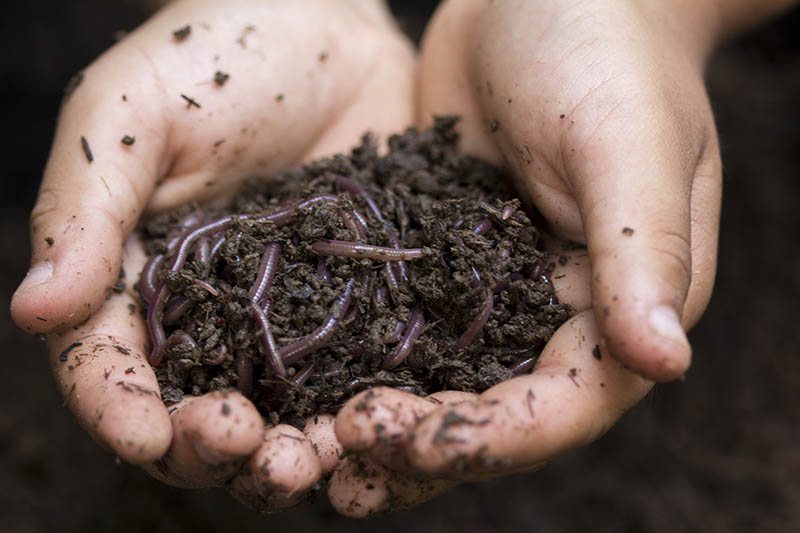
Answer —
719 452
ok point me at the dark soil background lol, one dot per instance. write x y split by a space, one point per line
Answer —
718 452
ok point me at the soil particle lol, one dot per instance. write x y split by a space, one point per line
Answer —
86 150
221 77
62 357
190 102
347 319
182 33
597 353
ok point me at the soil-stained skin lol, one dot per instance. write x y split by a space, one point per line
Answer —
416 270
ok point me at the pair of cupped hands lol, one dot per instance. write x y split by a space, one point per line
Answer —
597 108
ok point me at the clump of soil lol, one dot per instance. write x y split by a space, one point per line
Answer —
263 296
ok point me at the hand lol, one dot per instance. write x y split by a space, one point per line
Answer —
305 79
600 112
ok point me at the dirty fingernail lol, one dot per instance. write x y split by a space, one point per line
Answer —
665 322
38 274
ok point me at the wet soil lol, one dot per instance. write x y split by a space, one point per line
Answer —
470 305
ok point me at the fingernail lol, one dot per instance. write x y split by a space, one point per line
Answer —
38 274
665 322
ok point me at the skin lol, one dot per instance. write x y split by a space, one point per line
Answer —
597 108
334 63
600 111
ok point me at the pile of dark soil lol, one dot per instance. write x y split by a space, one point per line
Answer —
415 270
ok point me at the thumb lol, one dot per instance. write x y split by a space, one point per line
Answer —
95 186
634 193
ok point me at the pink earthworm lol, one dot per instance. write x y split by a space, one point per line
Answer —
244 369
416 322
267 340
320 336
266 272
365 251
477 323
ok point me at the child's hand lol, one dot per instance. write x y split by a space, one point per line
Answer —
599 110
253 87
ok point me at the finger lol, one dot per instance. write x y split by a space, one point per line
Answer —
320 431
279 473
93 191
575 394
637 219
360 488
572 274
706 207
380 416
213 435
104 376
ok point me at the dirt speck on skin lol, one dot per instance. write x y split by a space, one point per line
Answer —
479 293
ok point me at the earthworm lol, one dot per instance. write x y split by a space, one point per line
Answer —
175 309
391 282
521 367
402 268
365 251
186 242
149 277
483 227
500 285
323 270
369 282
379 297
218 356
207 286
352 314
320 336
352 225
216 246
394 336
181 337
155 314
477 323
329 373
266 271
202 252
267 340
354 189
360 219
244 369
279 218
286 215
413 330
302 375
